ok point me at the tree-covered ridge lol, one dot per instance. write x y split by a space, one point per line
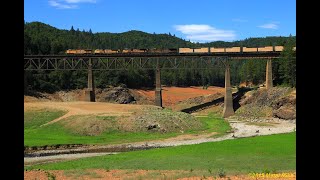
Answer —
40 38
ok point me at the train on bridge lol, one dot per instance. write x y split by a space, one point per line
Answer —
180 50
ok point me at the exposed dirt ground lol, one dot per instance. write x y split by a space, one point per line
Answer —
70 101
140 174
173 95
170 95
85 108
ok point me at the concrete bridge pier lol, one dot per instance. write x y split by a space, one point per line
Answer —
158 95
269 83
25 83
89 94
228 101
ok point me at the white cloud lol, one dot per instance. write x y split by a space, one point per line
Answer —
61 6
68 4
80 1
239 20
205 33
273 25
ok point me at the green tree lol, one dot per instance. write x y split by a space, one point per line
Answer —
287 67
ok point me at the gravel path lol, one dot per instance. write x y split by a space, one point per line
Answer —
240 129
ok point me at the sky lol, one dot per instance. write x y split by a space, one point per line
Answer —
194 20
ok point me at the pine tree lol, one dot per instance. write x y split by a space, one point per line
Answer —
287 67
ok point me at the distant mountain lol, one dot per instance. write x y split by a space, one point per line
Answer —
40 38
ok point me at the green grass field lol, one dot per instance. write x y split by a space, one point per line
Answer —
34 119
273 153
56 133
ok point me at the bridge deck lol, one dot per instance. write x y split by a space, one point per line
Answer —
128 55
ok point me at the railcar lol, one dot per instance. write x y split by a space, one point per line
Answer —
265 49
185 50
134 50
201 50
216 50
79 51
233 49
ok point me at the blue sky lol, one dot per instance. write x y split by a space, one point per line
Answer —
195 20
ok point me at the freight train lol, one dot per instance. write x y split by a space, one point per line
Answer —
180 50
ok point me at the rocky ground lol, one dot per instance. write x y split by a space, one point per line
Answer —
278 102
118 95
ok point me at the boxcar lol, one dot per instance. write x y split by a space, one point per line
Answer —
201 50
265 49
246 49
233 49
185 50
214 50
278 48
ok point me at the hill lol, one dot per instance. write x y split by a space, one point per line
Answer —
40 38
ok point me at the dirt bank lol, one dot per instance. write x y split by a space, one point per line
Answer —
118 174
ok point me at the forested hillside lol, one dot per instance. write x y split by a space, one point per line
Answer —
40 38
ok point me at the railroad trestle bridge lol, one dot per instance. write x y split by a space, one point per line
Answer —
155 62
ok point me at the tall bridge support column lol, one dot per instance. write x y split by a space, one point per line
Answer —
89 92
228 102
269 83
25 83
158 95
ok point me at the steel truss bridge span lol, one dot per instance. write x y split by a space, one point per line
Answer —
136 61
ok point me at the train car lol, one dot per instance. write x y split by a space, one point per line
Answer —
71 51
278 48
126 51
134 50
233 49
246 49
170 50
265 49
111 51
98 51
155 50
185 50
201 50
83 51
217 50
139 50
79 51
